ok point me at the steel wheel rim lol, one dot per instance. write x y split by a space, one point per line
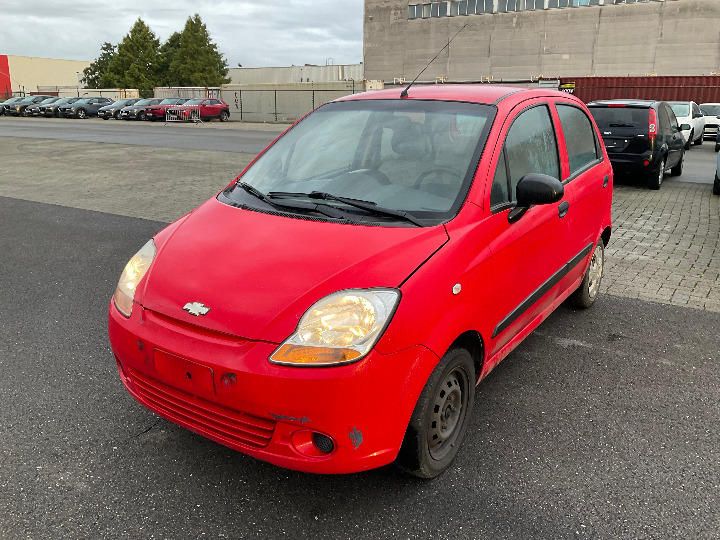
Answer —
595 272
448 413
661 174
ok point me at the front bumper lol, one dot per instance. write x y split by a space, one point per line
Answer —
710 131
225 389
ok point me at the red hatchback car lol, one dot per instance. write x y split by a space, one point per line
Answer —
333 309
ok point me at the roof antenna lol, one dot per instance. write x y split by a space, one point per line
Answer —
404 93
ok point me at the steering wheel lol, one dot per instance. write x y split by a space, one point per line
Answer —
380 176
447 171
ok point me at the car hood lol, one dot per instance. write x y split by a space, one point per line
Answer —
258 273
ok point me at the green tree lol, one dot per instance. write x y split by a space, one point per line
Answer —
96 75
196 60
168 52
136 64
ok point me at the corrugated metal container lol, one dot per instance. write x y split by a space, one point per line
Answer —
200 92
701 89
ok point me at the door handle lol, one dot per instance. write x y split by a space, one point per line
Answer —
563 209
606 180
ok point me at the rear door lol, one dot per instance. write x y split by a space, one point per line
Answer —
624 129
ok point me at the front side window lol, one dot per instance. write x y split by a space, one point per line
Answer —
410 155
531 147
579 137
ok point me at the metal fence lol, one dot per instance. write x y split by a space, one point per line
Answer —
280 105
183 114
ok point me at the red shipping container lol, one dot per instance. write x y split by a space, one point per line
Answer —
701 89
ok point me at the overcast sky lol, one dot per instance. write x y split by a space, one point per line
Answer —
250 32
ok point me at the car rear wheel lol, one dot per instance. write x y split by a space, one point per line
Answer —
441 416
141 115
587 293
224 116
678 169
656 177
716 186
81 114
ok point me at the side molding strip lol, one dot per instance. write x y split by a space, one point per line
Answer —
540 292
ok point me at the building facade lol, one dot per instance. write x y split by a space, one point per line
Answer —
25 74
296 74
522 40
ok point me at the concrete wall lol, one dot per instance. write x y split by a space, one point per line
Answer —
26 73
296 74
674 37
282 102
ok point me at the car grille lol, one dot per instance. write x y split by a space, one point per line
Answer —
227 424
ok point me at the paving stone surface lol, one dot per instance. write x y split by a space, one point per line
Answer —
665 245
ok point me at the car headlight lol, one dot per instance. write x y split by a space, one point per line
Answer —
131 276
340 328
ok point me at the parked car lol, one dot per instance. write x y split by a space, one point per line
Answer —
18 108
210 109
711 111
157 112
34 109
5 105
53 109
113 110
137 111
641 137
84 107
430 235
689 113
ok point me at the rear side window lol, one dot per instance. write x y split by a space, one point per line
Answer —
667 119
579 137
531 147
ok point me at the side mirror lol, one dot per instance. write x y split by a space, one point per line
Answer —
534 189
685 127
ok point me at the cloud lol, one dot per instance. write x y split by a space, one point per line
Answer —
250 32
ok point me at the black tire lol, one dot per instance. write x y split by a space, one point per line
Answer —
716 186
440 420
116 115
589 289
717 147
224 116
655 176
699 140
141 116
678 169
689 141
81 113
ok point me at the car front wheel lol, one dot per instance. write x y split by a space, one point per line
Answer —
716 186
678 169
224 116
441 416
699 140
81 114
587 293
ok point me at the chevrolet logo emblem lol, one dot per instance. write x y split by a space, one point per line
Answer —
196 308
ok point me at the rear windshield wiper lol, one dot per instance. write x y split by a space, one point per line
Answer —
623 125
323 209
368 206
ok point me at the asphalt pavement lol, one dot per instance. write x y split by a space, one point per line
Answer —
228 137
602 424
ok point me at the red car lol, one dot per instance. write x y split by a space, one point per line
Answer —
208 109
333 309
157 112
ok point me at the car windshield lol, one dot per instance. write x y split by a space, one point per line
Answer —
408 155
620 117
48 100
710 110
680 109
169 101
81 101
194 101
143 102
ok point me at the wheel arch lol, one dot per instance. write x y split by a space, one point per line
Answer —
605 235
473 342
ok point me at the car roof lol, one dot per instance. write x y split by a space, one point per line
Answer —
628 102
487 94
710 103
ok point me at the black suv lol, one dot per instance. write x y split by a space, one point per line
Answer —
641 137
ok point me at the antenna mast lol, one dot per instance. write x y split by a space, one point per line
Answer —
404 93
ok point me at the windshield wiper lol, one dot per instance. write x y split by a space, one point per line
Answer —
622 125
368 206
323 209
